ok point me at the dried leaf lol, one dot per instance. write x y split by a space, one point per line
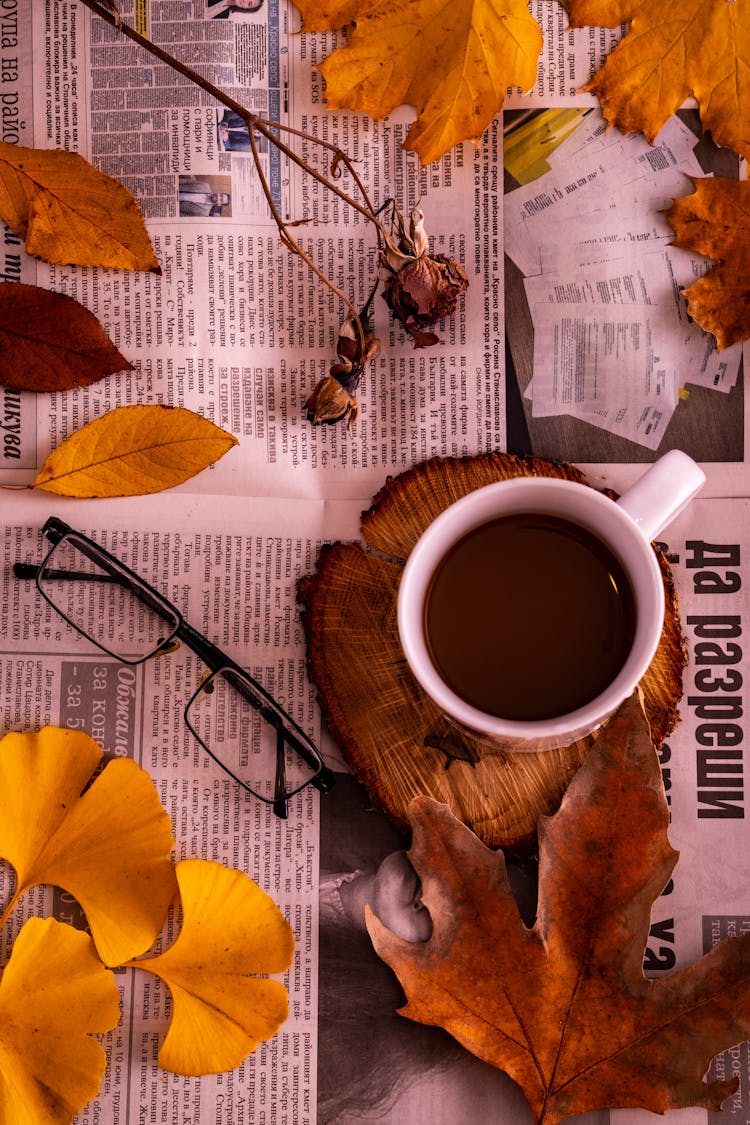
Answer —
715 221
48 342
452 62
701 49
132 451
230 930
564 1007
54 995
108 846
422 292
69 213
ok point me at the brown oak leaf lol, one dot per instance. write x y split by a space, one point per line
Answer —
564 1007
715 221
48 342
700 49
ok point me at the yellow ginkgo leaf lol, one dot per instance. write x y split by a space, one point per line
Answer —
133 450
108 846
70 213
697 47
54 994
452 62
231 929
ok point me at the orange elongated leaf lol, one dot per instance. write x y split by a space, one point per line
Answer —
133 450
231 932
564 1007
48 342
54 995
715 221
108 846
452 62
69 213
698 47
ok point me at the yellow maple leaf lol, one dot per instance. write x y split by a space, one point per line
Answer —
452 62
132 451
54 994
230 930
695 47
715 221
108 846
70 213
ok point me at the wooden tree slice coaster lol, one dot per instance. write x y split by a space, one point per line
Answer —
396 741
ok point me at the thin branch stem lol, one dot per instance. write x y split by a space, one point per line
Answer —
10 906
164 56
292 245
264 127
271 130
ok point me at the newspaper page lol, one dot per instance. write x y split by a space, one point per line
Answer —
559 224
307 1073
238 587
236 327
586 233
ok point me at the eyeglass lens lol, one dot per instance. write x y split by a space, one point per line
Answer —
105 603
130 621
223 718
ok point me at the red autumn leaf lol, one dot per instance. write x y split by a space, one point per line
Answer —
564 1007
48 342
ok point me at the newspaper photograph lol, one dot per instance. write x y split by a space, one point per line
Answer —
572 343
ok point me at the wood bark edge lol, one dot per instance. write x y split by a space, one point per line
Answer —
395 740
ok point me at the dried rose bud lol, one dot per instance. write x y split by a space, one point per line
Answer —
423 291
349 343
333 397
330 402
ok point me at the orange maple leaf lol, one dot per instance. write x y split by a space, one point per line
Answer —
696 47
564 1007
452 62
715 221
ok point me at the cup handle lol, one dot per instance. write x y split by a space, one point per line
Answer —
662 492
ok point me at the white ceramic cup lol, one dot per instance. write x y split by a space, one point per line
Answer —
626 527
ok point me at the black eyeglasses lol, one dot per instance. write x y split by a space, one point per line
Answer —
232 716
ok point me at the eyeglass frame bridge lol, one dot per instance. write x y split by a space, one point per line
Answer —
55 530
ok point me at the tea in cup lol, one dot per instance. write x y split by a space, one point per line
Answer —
530 609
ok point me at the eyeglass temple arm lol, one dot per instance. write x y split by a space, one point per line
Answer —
25 570
210 654
116 577
55 530
215 659
32 571
280 801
